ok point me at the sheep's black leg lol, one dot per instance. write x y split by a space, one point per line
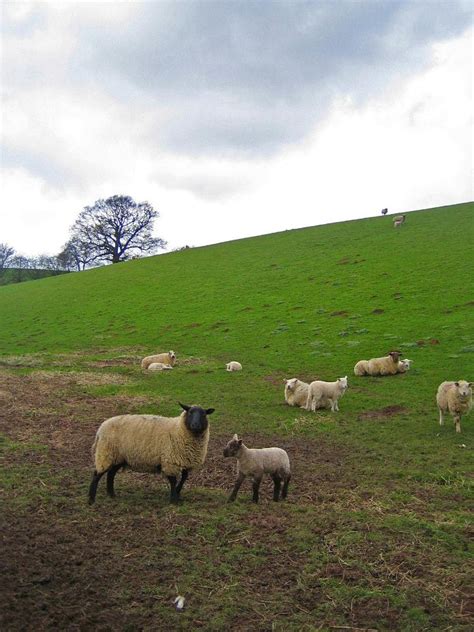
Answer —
110 479
276 487
184 476
285 487
255 487
93 486
237 485
174 496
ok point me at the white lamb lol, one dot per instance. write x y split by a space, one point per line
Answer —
159 366
455 398
323 394
256 462
233 366
404 365
162 358
151 443
296 392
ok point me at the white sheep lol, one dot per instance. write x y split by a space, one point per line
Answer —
323 394
159 366
163 358
296 392
361 368
233 366
404 365
398 220
455 398
151 443
256 462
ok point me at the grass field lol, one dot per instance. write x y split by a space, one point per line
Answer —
376 531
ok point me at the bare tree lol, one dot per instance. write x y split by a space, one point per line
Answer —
6 255
116 229
76 255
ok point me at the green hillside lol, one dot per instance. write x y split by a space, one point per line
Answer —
375 531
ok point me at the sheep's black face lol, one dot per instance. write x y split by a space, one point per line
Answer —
196 418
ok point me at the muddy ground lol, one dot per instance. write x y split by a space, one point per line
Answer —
119 564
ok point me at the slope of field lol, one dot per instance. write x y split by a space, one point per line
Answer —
375 533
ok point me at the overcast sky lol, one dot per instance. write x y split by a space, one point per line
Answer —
232 118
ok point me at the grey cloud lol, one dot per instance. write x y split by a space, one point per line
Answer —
285 61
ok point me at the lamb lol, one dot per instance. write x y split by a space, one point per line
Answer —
233 366
257 462
321 394
404 365
398 220
151 443
296 392
163 358
159 366
455 398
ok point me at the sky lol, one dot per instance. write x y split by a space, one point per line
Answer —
232 117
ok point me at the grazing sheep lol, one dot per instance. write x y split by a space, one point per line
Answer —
257 462
163 358
384 211
159 366
398 220
455 398
151 443
404 365
361 368
233 366
323 394
296 392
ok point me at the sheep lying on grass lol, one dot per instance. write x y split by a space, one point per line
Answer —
455 398
233 366
257 462
323 394
163 358
159 366
151 443
296 392
387 365
404 365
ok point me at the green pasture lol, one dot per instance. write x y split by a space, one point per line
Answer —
305 303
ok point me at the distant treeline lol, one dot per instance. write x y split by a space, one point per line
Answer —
17 275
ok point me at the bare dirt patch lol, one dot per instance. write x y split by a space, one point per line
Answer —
341 312
381 413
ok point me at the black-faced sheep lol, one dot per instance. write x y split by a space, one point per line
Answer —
171 446
256 462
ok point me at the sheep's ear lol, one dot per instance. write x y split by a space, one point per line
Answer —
186 408
456 383
240 441
209 411
235 437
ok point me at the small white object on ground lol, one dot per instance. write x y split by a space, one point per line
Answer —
179 602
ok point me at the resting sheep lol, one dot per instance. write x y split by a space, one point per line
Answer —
388 365
233 366
455 398
163 358
321 394
296 392
151 443
404 365
361 368
257 462
159 366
